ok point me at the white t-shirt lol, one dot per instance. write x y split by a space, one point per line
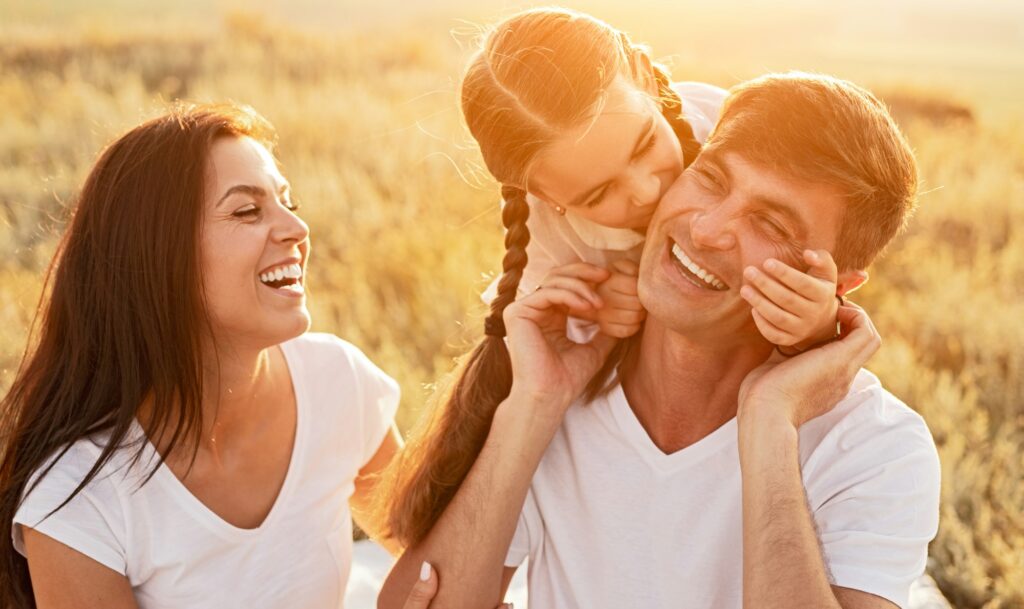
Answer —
177 553
557 240
611 521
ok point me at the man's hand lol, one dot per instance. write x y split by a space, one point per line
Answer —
547 367
813 382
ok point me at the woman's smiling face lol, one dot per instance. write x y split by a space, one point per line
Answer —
614 169
253 248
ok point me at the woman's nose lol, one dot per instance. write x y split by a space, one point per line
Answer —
291 227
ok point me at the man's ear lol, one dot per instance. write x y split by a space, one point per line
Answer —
849 281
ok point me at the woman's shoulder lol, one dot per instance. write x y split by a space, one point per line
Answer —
64 471
327 360
324 349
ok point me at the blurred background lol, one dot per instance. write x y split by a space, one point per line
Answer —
405 221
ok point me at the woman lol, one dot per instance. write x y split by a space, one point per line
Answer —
174 438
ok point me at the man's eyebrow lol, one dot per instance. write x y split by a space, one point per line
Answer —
712 157
644 134
252 190
783 210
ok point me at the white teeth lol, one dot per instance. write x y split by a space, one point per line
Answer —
696 270
291 271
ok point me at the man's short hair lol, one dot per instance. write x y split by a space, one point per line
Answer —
824 129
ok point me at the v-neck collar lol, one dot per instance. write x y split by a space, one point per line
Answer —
199 510
720 439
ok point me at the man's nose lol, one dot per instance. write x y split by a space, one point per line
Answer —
712 229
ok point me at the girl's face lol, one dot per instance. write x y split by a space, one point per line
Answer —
614 169
253 247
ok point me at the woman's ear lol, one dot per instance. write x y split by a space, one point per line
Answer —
849 281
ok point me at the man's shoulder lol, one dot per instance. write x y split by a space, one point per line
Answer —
869 420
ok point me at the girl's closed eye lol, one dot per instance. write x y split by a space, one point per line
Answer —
648 146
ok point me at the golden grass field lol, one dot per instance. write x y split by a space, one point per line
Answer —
405 223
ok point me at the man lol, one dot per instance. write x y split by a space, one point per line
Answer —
713 473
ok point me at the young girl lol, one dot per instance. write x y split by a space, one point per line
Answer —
585 133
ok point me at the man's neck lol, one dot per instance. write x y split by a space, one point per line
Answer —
682 388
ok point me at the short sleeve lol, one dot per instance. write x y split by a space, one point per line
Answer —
379 397
92 523
529 532
876 504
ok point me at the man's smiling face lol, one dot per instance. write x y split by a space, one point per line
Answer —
722 215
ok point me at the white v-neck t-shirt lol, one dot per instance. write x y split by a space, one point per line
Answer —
177 553
611 521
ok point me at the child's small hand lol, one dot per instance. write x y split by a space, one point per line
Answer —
792 308
622 314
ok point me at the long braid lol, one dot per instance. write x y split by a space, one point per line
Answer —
672 110
517 236
422 481
638 58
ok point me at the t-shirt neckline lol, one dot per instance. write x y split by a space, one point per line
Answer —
199 510
711 444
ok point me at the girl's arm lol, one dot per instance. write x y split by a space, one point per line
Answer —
470 541
362 500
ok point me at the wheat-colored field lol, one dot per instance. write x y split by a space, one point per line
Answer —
405 223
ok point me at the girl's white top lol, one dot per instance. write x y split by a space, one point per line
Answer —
177 553
557 240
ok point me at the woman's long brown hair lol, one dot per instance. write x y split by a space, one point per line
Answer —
537 76
122 314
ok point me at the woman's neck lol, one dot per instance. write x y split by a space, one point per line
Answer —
238 387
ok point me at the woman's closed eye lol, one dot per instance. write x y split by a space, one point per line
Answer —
248 211
253 210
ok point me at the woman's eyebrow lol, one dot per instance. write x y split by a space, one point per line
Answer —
251 190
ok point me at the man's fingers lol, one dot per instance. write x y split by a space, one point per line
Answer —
858 337
822 265
539 304
423 590
580 270
575 285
